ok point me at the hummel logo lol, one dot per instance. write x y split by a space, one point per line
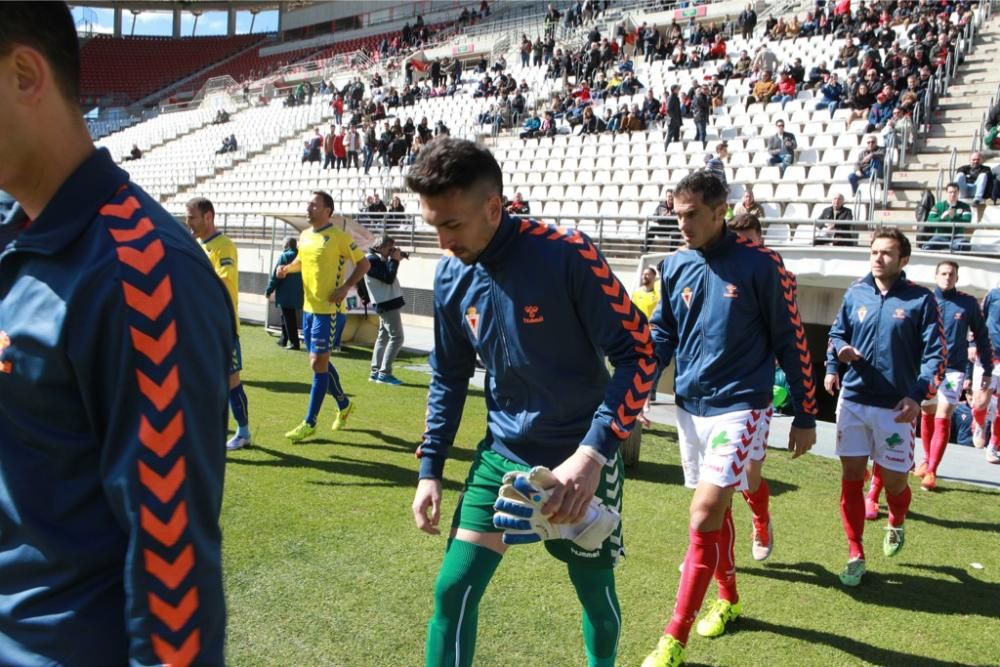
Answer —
532 316
720 440
731 292
893 440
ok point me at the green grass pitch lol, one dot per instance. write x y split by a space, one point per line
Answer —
324 567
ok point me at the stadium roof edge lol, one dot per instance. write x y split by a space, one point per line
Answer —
183 5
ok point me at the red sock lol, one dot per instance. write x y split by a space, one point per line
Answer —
926 433
995 431
979 416
852 513
758 501
942 428
699 565
875 490
725 571
898 504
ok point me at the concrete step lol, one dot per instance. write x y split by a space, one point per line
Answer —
970 101
958 115
947 141
954 129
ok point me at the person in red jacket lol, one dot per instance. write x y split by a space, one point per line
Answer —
340 148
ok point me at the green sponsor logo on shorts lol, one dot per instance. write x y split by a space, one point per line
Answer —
893 440
720 440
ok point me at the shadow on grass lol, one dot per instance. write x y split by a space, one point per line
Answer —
661 473
395 444
280 386
378 473
988 526
875 655
960 594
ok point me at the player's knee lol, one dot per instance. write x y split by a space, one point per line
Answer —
319 363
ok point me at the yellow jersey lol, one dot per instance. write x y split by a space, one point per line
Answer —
646 301
221 252
323 254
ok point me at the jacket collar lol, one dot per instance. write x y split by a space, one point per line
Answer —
900 281
70 211
721 246
945 294
497 249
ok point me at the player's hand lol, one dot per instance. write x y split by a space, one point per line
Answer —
908 410
339 294
577 478
801 440
831 383
848 354
428 496
281 271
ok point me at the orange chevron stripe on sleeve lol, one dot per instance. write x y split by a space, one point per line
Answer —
144 260
176 616
162 442
155 349
170 574
177 657
150 305
122 211
164 487
143 227
167 533
161 395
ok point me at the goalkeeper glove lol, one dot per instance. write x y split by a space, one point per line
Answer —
519 513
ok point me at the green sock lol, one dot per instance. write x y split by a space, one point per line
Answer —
601 613
451 634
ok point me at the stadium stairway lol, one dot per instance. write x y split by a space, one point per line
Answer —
955 124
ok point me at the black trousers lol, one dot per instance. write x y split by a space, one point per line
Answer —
289 327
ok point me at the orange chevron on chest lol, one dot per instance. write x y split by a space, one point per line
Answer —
161 442
121 211
142 261
155 349
175 617
151 305
170 574
177 657
167 533
161 395
164 487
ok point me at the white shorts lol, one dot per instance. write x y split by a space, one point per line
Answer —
718 448
977 378
950 389
864 430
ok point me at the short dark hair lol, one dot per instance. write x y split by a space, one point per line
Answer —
382 241
894 234
454 163
713 191
203 204
947 262
325 196
48 28
746 222
953 184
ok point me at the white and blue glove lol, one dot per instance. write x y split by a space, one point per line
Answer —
519 513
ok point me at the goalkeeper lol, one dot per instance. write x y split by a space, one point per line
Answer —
541 308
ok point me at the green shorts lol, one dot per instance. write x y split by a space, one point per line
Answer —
475 506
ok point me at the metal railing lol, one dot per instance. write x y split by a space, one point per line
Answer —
629 240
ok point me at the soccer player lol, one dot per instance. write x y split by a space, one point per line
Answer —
541 308
324 251
727 311
222 254
960 316
888 331
986 406
114 339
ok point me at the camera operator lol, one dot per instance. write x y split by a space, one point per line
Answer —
387 296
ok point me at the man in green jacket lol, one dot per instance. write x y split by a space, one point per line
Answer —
944 236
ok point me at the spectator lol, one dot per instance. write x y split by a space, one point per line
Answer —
369 145
666 207
974 179
832 93
313 147
531 127
518 206
817 75
848 57
288 296
396 206
786 89
832 233
376 205
743 65
749 205
869 161
650 108
227 145
763 90
880 112
353 147
387 296
747 21
765 58
133 154
340 148
782 147
716 163
589 123
992 127
862 102
945 236
700 108
718 49
674 115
